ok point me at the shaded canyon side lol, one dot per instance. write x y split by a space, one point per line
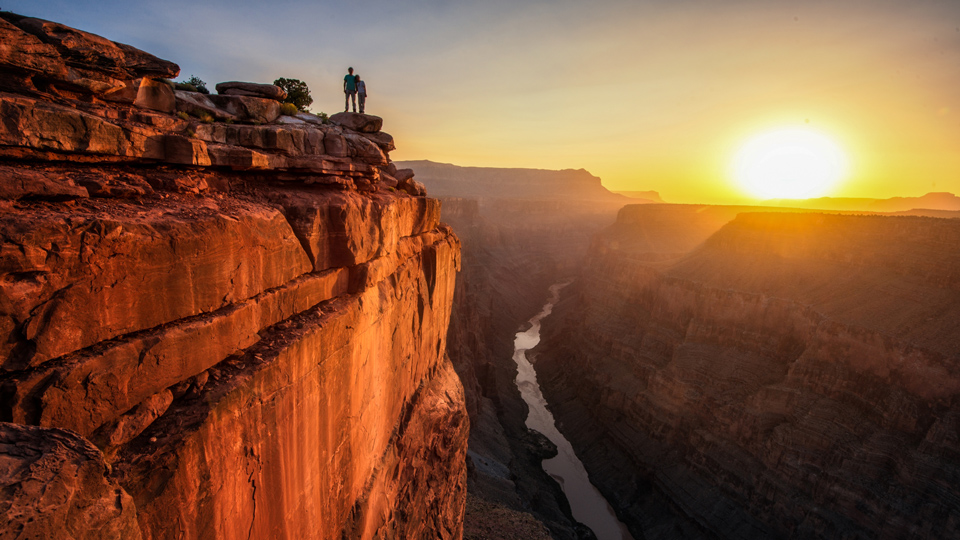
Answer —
791 375
222 323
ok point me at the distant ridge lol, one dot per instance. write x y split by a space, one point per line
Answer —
651 196
447 180
930 201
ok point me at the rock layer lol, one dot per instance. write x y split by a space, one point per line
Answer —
213 330
795 375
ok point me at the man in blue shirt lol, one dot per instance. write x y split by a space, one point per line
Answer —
349 89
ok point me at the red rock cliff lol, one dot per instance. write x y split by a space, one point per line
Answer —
213 329
794 376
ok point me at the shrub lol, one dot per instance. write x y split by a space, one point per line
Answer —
324 117
183 115
193 84
206 118
297 93
197 83
289 109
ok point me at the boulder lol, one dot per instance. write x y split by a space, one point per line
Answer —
364 149
248 108
57 485
364 123
383 140
290 120
388 180
309 118
237 88
197 104
412 187
403 174
156 96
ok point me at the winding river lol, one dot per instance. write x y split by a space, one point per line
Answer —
587 504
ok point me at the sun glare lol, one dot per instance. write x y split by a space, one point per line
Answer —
792 163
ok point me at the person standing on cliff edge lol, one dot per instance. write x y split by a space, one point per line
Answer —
349 89
361 92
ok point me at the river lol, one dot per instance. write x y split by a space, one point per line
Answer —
586 502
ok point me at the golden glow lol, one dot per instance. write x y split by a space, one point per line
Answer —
789 163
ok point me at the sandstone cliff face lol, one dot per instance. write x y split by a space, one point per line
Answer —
213 330
794 376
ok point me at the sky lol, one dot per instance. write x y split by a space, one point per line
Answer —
647 95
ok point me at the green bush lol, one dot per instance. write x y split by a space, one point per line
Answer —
197 83
193 84
324 117
183 115
297 93
289 109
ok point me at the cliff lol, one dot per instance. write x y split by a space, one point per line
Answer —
793 375
216 321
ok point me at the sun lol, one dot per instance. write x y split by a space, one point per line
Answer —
789 163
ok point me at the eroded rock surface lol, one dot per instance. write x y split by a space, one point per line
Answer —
55 484
213 329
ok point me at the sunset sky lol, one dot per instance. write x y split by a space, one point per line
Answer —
648 95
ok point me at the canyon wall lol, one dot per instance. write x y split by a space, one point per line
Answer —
789 376
215 321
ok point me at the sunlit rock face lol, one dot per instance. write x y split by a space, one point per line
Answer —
789 375
213 330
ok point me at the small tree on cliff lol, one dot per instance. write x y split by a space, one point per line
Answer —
297 92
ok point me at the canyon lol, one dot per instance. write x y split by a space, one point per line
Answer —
756 374
221 321
217 321
516 244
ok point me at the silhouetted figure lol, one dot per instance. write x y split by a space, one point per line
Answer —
349 90
361 93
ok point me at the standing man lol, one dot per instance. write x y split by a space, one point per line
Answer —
361 92
349 89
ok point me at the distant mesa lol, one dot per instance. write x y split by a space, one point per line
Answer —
931 201
447 180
